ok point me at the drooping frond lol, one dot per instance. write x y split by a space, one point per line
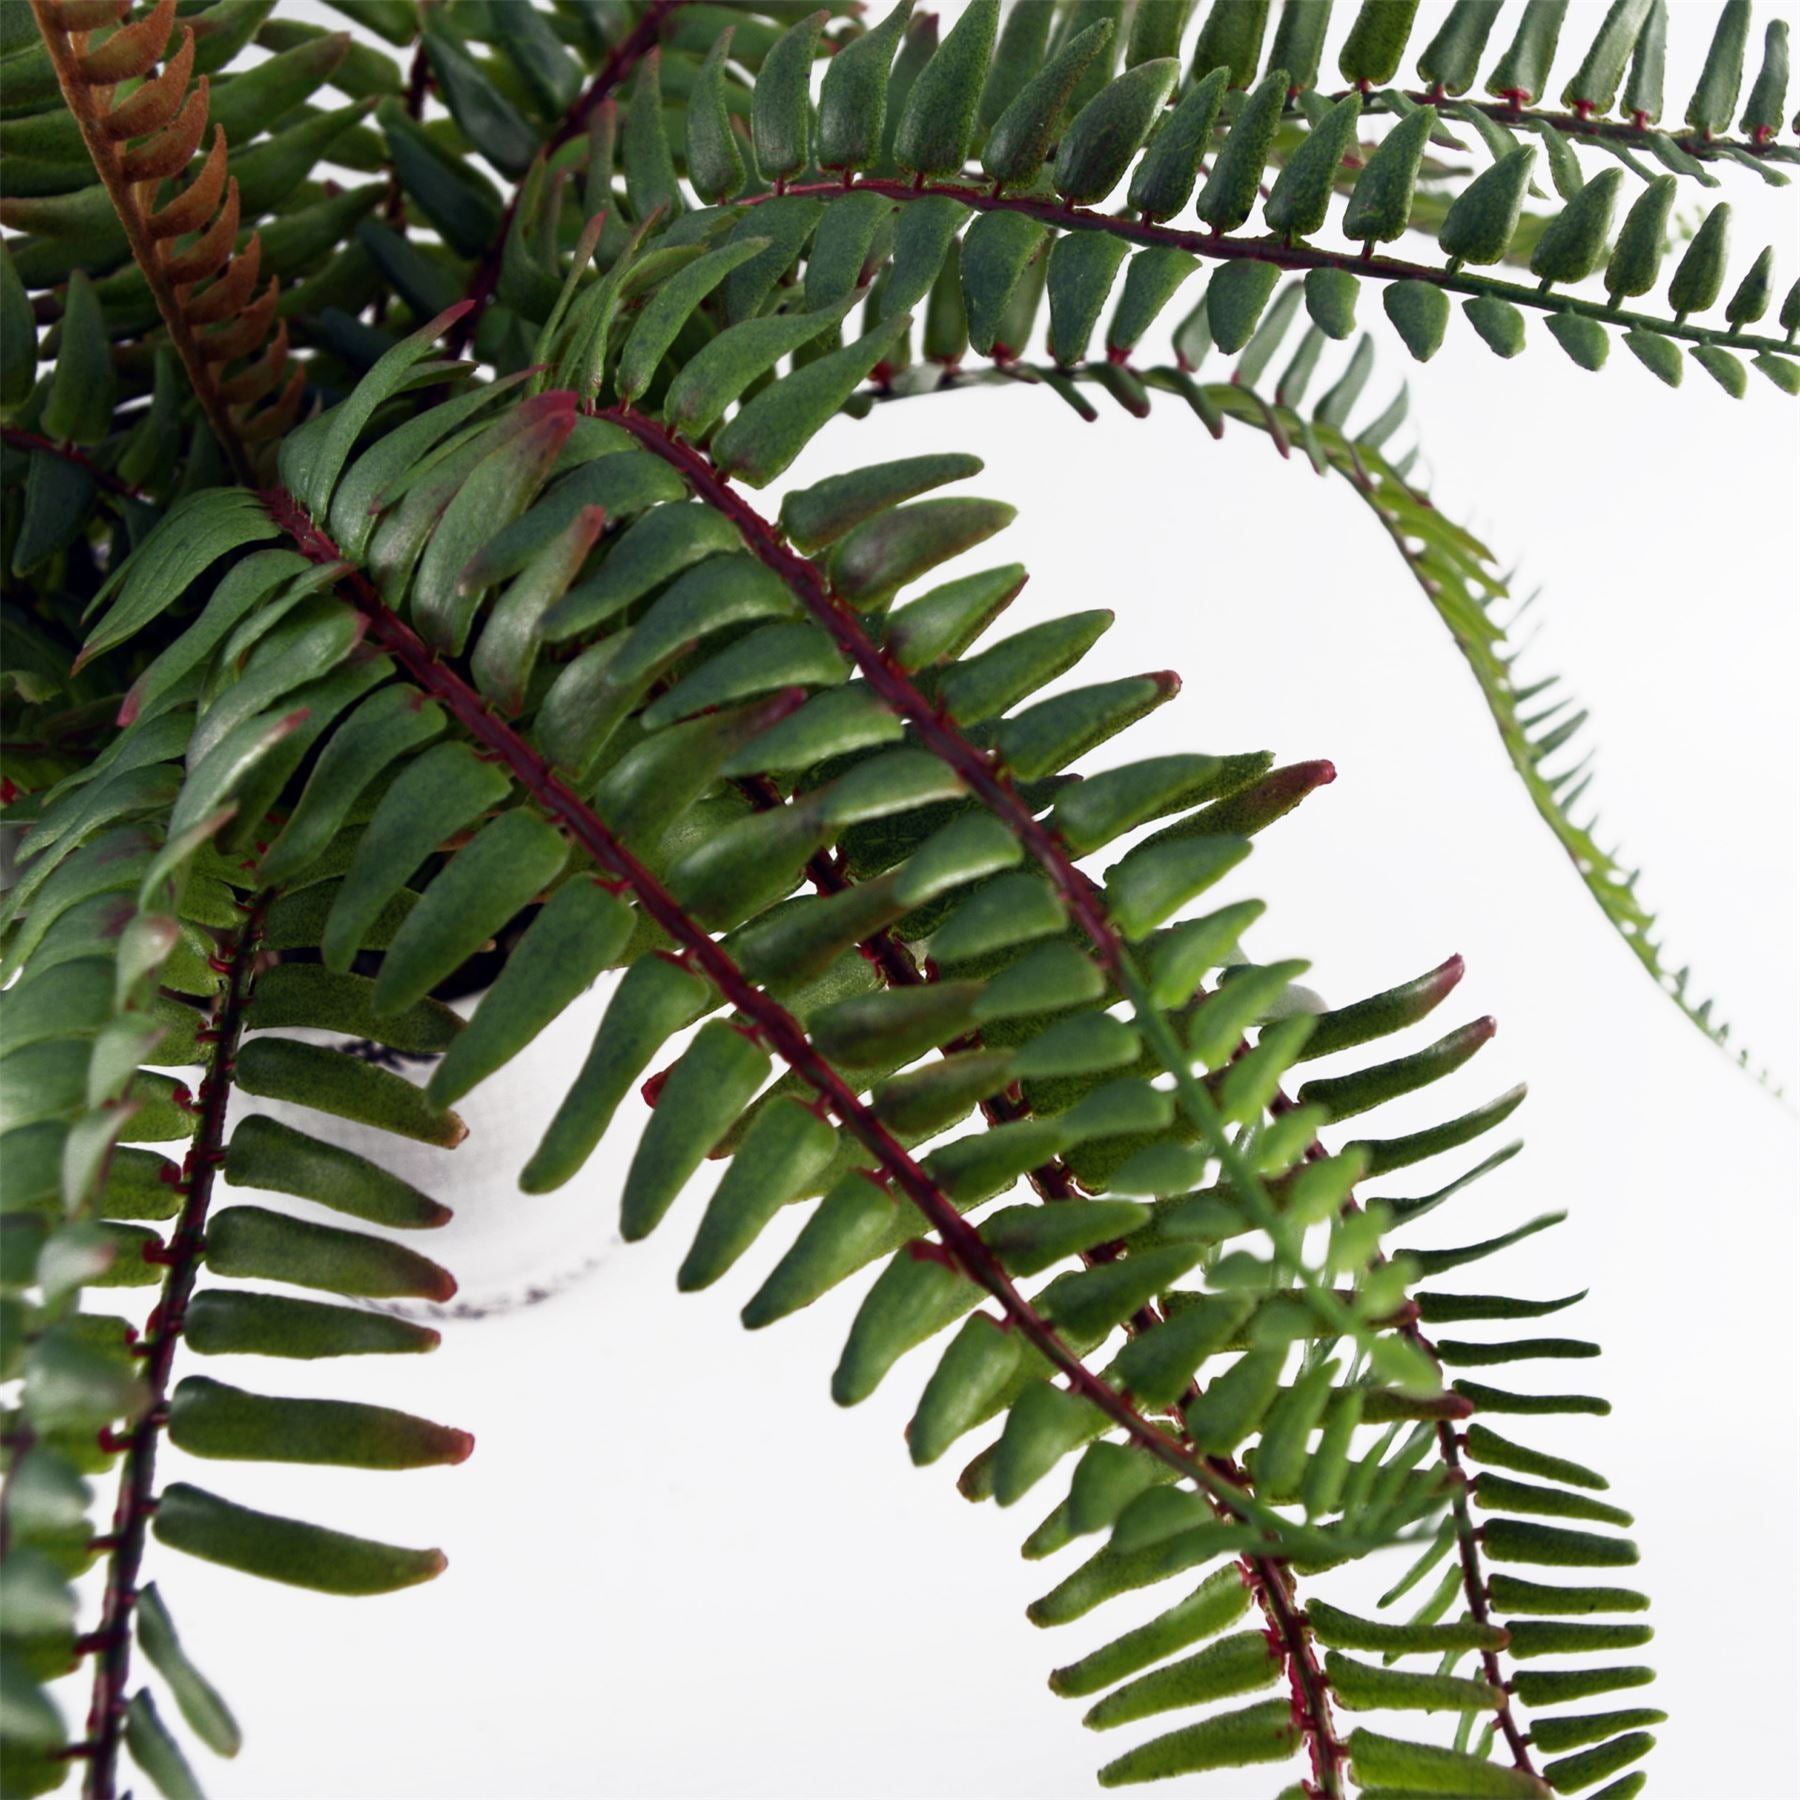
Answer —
558 661
140 951
1540 729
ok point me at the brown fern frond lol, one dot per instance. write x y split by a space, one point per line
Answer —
206 289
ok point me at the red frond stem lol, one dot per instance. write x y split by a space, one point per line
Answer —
137 1478
72 453
1223 1484
1282 255
1468 1543
558 801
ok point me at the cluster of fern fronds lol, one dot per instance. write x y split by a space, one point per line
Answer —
387 577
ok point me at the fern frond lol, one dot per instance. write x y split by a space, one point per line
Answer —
653 729
1459 575
139 949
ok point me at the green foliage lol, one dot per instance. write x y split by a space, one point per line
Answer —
382 589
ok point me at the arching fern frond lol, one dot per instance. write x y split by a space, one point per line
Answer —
1457 572
557 661
1055 150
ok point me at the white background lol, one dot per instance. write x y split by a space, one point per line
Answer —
677 1569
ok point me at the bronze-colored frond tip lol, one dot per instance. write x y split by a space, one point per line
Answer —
205 287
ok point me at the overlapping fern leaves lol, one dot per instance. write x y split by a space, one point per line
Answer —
520 647
660 791
1541 725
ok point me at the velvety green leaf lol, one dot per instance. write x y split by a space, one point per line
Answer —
1231 38
1395 1762
976 1369
1584 339
1574 242
1555 1546
210 1418
654 1001
79 409
1255 1734
1331 301
445 591
715 163
1230 193
310 1075
853 98
436 796
264 1153
184 544
1481 221
510 861
1419 311
785 1148
315 484
916 1296
781 107
1099 144
1166 173
206 1713
310 995
18 336
1219 1601
1238 1664
995 252
1301 197
154 1750
939 117
1235 298
650 180
815 516
189 1518
1044 1425
708 1087
1155 880
224 1321
716 375
1380 205
1081 271
886 552
1371 51
1024 131
252 1242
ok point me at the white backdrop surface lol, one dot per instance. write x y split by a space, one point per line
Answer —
678 1570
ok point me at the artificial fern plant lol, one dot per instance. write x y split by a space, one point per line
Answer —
388 576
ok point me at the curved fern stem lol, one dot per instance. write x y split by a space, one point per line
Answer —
1480 642
1269 1578
621 60
78 95
21 439
1468 1540
559 803
1068 217
1474 1583
137 1477
1633 134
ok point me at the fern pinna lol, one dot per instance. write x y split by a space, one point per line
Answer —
505 639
